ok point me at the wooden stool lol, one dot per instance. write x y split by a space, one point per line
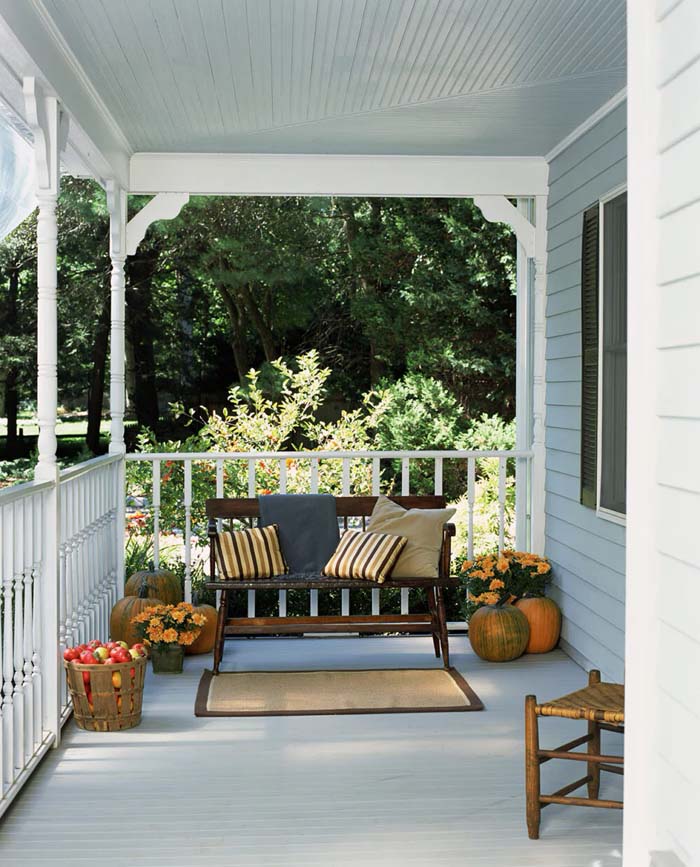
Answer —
603 705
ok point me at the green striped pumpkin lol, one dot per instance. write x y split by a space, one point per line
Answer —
498 633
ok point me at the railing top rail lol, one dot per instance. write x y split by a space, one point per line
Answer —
26 489
88 466
337 455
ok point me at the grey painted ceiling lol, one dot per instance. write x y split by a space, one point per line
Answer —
485 77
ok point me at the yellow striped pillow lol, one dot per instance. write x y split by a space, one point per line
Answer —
371 556
247 554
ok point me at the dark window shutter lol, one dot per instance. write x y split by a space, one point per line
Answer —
589 357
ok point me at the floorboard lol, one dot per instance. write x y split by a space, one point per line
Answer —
395 789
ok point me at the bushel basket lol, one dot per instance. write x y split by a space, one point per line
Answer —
110 697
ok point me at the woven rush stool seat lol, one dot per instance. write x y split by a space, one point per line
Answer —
600 702
602 706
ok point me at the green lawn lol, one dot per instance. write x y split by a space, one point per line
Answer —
69 425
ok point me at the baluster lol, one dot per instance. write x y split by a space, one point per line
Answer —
18 630
438 477
3 734
471 499
81 567
8 719
251 494
219 495
405 491
62 584
345 490
72 565
313 594
156 512
376 479
27 688
39 551
501 502
28 559
282 595
188 531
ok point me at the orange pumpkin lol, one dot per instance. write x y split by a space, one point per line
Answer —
205 641
498 633
544 617
120 625
160 584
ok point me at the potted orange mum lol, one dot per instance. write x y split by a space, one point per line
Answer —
168 629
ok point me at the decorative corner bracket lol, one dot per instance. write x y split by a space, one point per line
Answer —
497 209
164 206
49 126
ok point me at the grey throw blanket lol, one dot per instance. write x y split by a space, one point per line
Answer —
308 528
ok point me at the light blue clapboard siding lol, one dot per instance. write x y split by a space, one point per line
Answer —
587 552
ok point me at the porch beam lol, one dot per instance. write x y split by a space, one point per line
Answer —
337 175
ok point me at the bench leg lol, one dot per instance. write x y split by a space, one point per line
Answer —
432 608
532 769
442 620
220 631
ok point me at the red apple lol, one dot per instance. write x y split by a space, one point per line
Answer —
70 653
87 657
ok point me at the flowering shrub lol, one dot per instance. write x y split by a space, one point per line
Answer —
169 624
494 578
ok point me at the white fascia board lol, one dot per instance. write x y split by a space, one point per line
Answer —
336 175
31 46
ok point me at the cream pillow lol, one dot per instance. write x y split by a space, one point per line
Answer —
422 529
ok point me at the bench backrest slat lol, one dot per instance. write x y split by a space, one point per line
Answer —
347 507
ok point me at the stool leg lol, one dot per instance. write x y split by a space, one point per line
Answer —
594 745
532 769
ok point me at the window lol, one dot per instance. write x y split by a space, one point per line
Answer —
604 356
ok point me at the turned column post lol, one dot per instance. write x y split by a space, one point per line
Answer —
49 127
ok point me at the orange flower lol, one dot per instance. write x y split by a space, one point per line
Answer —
155 634
502 564
169 636
543 568
467 565
178 615
187 638
496 584
199 619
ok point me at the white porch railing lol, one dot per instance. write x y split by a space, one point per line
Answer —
38 619
351 479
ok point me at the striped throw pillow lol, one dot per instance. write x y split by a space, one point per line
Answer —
371 556
247 554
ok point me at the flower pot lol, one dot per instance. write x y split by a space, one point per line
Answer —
167 659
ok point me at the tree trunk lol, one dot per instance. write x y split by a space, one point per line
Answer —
141 330
11 395
96 388
263 327
11 406
238 341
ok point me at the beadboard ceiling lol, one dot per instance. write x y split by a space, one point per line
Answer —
471 77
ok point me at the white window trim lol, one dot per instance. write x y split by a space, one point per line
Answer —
606 514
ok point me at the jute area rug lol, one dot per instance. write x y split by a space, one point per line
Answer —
296 693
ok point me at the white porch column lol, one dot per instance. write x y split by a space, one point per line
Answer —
49 129
523 387
116 204
539 363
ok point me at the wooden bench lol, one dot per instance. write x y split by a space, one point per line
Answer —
433 622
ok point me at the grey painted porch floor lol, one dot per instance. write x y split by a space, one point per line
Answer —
397 789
